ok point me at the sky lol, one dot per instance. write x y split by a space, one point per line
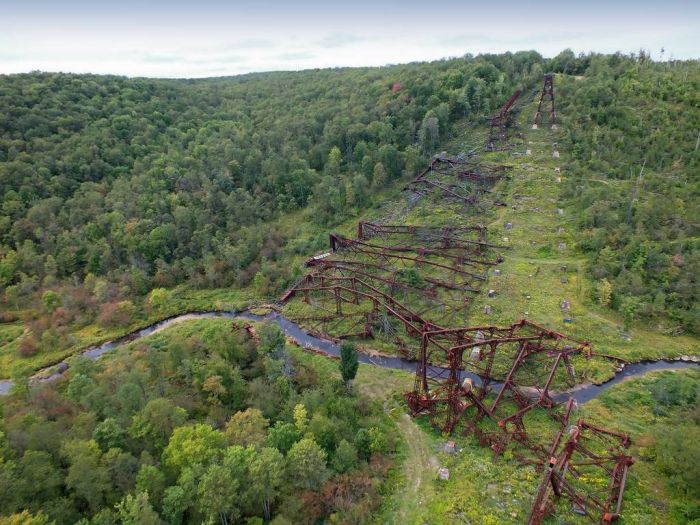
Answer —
219 38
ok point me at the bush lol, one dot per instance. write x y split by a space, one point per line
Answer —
28 347
116 314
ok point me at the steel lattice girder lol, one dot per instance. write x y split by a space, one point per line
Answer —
588 453
499 123
452 263
444 174
523 354
547 94
460 256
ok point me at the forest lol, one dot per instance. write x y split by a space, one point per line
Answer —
634 133
116 190
199 424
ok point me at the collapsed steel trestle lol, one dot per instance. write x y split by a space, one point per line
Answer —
457 178
486 381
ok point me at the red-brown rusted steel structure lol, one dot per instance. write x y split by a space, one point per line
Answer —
486 381
524 355
498 131
547 95
589 453
448 263
369 275
457 178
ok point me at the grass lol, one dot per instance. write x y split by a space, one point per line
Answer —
543 254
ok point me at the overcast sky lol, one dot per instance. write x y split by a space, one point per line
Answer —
215 38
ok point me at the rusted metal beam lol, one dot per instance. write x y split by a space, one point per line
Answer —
498 131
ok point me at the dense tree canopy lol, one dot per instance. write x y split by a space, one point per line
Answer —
158 181
633 126
137 438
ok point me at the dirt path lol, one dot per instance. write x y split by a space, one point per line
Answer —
419 467
420 464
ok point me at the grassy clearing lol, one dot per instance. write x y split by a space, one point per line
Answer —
542 267
630 407
481 490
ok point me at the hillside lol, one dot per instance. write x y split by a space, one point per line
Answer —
112 187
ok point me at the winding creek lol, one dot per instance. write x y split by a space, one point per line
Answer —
581 394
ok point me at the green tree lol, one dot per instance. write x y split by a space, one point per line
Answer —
8 265
282 436
363 443
12 295
86 477
155 422
306 465
348 363
248 427
271 339
605 291
301 418
217 494
345 457
159 298
137 510
193 445
333 164
43 480
429 133
25 518
266 476
629 307
110 434
377 440
174 504
151 480
122 468
51 300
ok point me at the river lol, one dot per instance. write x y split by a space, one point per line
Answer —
581 393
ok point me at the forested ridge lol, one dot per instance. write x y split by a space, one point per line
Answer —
112 187
161 181
634 129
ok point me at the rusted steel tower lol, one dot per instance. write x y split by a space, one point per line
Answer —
547 95
498 131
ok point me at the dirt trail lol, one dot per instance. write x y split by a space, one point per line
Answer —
420 464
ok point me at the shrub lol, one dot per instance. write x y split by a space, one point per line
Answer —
116 314
28 347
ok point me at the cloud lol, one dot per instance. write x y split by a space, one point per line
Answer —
252 43
338 40
296 55
159 59
226 58
509 39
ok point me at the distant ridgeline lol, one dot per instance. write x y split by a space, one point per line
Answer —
154 182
